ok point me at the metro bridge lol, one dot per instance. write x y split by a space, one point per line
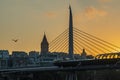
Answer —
70 67
92 64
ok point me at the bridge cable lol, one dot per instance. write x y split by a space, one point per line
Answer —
88 39
99 40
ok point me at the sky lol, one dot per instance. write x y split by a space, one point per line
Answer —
27 20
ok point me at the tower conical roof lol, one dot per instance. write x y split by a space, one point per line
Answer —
44 38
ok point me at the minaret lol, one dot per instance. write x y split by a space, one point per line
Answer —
44 45
83 54
71 56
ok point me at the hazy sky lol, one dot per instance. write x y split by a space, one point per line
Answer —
27 20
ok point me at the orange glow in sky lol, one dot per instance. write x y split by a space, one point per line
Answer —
27 20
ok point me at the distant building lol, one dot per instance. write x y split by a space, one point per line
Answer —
61 55
77 56
4 56
19 59
34 57
48 57
19 54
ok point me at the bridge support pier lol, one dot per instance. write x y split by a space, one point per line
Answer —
71 76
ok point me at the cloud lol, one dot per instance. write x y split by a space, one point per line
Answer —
50 15
104 1
92 12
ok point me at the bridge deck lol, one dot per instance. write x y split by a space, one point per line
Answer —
87 62
72 66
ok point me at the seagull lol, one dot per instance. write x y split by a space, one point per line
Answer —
15 40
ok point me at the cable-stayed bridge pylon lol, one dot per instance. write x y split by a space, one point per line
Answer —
73 40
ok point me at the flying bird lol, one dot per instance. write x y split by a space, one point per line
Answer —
15 40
